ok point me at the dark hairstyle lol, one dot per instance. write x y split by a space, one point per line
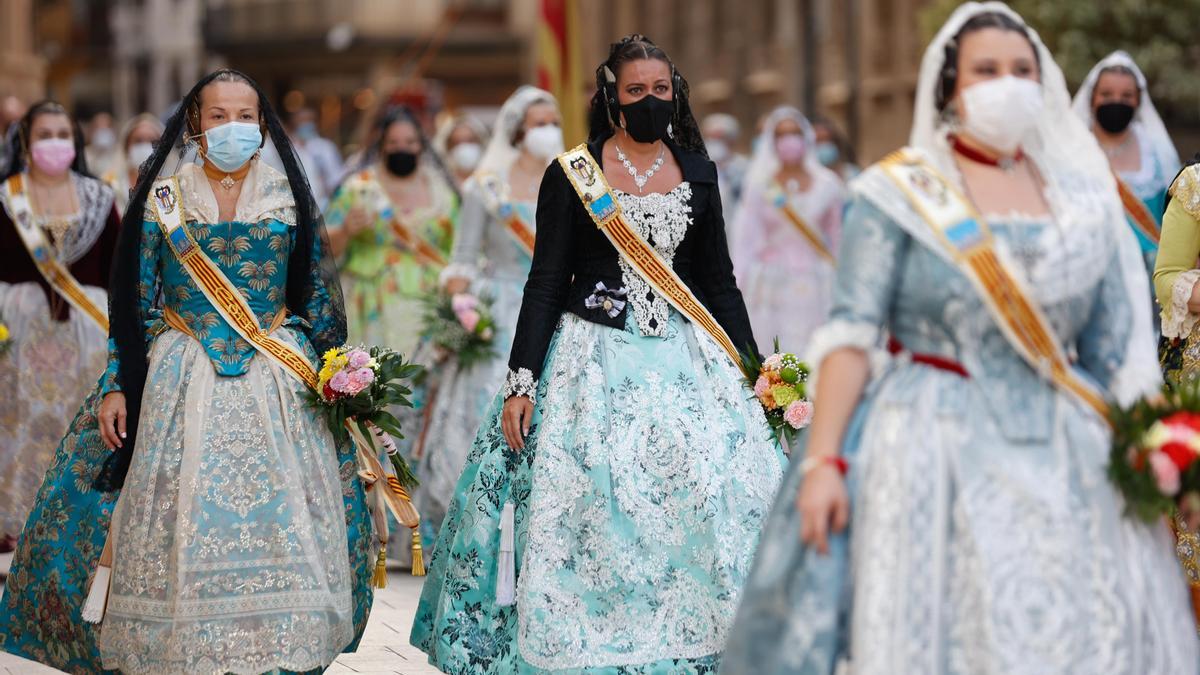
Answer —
306 277
1118 69
605 111
403 114
840 139
193 107
22 141
949 74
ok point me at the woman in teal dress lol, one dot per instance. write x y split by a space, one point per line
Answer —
239 532
609 508
976 531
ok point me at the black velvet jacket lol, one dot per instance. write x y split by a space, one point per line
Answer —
572 254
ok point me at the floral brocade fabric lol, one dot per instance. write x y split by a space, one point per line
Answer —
638 500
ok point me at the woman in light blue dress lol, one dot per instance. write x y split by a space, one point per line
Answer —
622 474
976 530
490 260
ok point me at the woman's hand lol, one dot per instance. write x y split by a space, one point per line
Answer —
518 412
112 420
357 220
824 506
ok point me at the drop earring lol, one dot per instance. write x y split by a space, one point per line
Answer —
670 132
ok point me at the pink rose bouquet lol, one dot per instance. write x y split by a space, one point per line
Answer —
780 383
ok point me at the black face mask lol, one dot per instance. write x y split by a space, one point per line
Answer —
1115 117
400 163
646 120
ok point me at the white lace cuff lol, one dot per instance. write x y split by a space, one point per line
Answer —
520 383
840 333
456 271
1177 321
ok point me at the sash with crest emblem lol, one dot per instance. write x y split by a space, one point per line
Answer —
967 239
586 177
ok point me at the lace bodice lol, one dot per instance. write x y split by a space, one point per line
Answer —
663 220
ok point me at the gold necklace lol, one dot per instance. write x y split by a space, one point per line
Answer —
226 180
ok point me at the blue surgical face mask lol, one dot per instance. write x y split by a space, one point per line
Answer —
827 153
231 145
307 131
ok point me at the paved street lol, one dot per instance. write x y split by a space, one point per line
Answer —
384 649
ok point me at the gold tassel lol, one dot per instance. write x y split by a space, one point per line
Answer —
418 564
379 579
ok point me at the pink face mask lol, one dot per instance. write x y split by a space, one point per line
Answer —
790 148
53 156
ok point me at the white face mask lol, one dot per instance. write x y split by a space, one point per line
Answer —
1000 112
140 152
718 150
465 156
544 142
104 138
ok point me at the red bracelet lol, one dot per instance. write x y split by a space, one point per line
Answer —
837 461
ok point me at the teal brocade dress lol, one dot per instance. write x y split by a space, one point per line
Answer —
61 543
637 499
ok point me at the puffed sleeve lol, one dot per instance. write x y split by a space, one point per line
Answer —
714 276
547 286
1175 273
150 315
870 258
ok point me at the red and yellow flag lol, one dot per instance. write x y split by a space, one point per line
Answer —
559 65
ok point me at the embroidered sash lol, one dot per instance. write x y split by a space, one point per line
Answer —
968 240
779 199
220 291
520 231
1143 221
54 272
422 250
600 203
225 298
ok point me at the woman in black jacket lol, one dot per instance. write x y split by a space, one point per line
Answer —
625 468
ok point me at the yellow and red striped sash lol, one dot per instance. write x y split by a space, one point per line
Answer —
422 250
225 298
968 240
815 240
521 233
1136 209
54 272
495 194
598 200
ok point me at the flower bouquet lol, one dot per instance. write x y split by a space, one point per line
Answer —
1155 457
356 386
461 325
780 383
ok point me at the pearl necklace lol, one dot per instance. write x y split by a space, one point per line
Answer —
638 179
1114 151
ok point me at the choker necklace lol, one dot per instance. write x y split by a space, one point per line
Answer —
638 179
225 180
983 157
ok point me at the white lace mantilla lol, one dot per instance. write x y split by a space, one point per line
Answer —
663 220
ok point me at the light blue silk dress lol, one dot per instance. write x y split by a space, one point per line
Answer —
497 266
241 537
984 536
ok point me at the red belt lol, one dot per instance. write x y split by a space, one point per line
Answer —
931 360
